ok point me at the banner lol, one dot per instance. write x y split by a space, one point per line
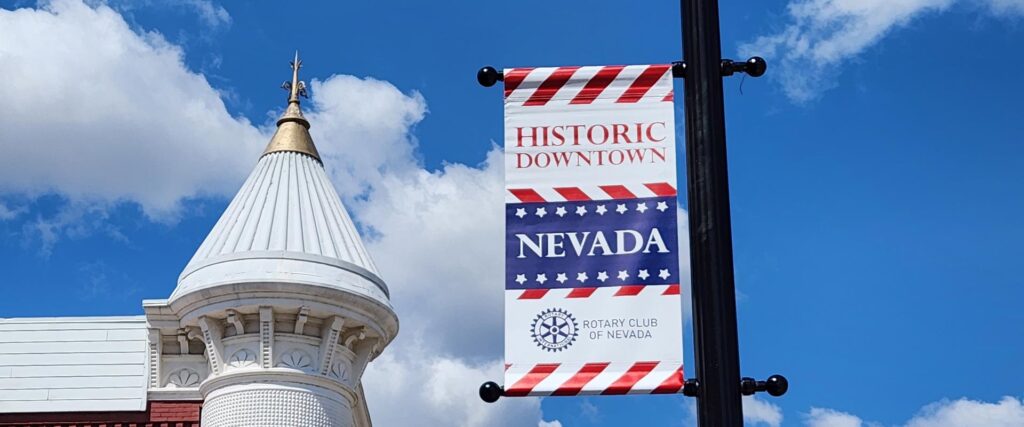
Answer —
592 302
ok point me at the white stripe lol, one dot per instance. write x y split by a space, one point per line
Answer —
621 83
555 380
653 379
529 85
640 190
605 291
549 194
663 87
573 87
558 292
593 192
605 379
515 373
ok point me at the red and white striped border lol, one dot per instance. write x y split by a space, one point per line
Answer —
587 193
607 378
599 292
620 84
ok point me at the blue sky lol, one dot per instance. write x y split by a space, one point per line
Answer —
875 170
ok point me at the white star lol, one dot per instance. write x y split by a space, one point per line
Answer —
582 276
520 278
641 207
602 276
621 208
623 275
643 274
663 273
520 212
662 206
541 212
561 278
601 209
581 210
541 278
560 211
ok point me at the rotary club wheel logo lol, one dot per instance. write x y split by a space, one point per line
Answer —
554 329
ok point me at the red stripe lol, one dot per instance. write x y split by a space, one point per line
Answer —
671 290
575 384
513 78
618 191
626 382
662 189
526 195
668 98
551 85
534 293
597 84
581 293
525 385
572 194
672 384
642 84
630 290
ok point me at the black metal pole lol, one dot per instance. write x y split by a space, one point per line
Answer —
707 181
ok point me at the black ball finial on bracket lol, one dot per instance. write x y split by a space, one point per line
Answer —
490 391
488 76
756 66
691 388
777 385
753 67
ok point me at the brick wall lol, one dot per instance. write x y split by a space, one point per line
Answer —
157 414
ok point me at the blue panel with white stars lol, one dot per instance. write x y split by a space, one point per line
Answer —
591 243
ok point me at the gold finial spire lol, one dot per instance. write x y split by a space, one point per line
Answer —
292 128
296 87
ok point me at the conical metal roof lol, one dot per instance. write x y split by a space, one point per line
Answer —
286 225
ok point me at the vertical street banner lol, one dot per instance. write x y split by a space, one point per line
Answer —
592 302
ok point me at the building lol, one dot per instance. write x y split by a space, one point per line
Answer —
272 322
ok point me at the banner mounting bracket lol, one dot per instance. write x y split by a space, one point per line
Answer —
754 67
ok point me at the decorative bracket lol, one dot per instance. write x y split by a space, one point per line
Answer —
212 335
155 348
328 342
300 320
266 337
236 320
182 341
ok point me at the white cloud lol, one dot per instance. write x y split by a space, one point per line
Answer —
363 130
99 113
452 287
74 220
210 14
406 387
1008 412
820 35
1007 7
823 417
7 212
760 412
